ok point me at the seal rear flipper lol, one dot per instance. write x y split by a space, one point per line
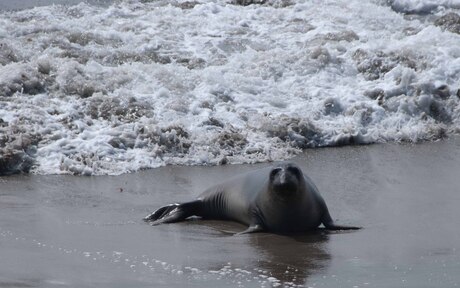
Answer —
173 213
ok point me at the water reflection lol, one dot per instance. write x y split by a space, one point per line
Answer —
291 258
285 259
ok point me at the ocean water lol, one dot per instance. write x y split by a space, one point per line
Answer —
93 90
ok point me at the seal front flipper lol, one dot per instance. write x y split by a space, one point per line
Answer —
255 222
252 229
327 219
173 213
330 225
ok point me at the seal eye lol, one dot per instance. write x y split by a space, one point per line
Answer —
296 171
274 172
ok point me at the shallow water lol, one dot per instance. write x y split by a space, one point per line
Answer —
87 231
89 89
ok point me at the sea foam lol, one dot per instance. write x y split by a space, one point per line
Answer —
107 90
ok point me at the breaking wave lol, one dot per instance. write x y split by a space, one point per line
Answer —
93 90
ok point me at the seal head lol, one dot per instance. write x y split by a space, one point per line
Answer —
285 182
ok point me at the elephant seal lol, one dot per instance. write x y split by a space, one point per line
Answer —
278 199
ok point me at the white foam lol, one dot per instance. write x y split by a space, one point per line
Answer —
423 6
109 90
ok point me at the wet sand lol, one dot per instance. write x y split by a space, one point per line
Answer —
65 231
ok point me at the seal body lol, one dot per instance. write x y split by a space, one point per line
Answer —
280 199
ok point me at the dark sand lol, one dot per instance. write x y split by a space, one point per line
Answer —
65 231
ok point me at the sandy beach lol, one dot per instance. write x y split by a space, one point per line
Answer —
67 231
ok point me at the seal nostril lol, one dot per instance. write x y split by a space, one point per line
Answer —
296 171
274 172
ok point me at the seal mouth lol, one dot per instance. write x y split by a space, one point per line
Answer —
285 188
287 196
